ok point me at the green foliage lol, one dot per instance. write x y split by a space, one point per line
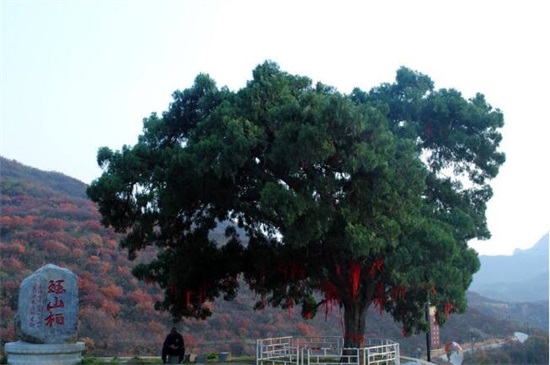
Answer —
362 199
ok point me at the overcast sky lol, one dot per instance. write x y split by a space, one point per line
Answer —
78 75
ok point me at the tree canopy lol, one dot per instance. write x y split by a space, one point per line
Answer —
309 196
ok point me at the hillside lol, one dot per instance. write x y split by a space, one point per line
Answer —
530 314
46 218
35 181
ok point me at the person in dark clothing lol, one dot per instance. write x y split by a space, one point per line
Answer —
173 345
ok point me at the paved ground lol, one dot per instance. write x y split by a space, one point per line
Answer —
142 360
152 360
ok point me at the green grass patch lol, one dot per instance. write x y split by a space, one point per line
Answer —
212 358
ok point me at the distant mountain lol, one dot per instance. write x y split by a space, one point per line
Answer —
45 217
521 277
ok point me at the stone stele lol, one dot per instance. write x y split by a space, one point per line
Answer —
47 311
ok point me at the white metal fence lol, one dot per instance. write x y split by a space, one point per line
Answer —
324 351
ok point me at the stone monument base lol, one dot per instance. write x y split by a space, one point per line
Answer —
24 353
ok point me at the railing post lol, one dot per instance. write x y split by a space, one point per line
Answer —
258 352
397 354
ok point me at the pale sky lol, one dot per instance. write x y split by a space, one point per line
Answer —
78 75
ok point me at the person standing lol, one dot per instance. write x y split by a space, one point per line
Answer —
173 345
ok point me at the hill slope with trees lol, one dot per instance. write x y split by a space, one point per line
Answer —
45 218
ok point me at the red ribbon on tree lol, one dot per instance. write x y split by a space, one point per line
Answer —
428 130
355 272
376 266
357 338
331 294
292 270
379 299
448 308
399 292
290 305
187 298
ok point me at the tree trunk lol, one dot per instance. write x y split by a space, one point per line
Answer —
355 318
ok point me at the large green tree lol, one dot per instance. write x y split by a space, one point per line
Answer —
309 196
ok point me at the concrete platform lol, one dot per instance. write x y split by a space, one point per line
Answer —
24 353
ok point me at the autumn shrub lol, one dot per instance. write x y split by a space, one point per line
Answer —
88 345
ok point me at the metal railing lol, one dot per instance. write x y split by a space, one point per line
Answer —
291 350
